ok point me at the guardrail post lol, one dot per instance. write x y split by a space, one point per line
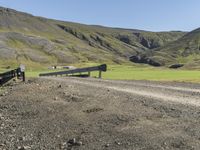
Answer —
89 74
100 74
22 72
23 77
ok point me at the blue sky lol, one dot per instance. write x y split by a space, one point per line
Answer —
153 15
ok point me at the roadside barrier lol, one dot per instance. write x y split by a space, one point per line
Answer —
101 68
7 76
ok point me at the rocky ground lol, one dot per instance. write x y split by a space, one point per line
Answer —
92 114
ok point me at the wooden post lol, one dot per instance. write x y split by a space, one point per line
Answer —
89 74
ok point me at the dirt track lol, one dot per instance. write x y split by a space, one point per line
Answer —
72 113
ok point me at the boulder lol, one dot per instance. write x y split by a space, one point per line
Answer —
144 60
176 66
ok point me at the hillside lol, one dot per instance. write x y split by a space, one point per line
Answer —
27 39
185 51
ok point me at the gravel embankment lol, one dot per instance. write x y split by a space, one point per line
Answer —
73 113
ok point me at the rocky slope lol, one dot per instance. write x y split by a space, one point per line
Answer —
25 38
182 52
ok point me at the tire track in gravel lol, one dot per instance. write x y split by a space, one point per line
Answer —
149 85
181 95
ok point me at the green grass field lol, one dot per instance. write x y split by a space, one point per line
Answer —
161 74
130 72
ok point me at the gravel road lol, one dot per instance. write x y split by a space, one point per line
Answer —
88 114
187 94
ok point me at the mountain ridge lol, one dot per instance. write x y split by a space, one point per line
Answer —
33 39
184 51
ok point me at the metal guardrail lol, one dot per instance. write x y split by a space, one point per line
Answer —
7 76
101 68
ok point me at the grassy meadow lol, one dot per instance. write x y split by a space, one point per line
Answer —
137 72
149 73
127 72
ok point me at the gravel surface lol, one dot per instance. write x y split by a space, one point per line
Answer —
93 114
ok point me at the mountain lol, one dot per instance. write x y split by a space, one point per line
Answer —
28 39
183 52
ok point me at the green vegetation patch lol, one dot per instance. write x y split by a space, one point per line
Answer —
136 72
161 74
